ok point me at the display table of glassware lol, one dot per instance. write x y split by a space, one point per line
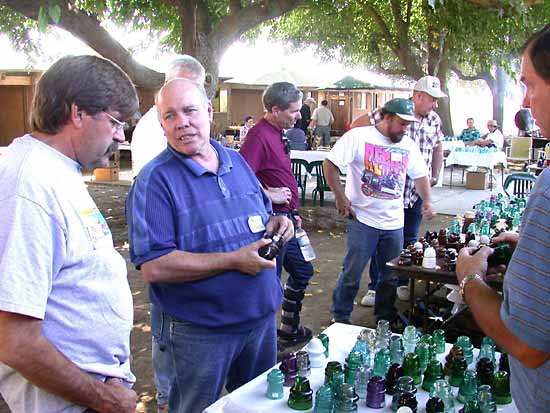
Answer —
251 398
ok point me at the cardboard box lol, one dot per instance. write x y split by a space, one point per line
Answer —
106 174
477 180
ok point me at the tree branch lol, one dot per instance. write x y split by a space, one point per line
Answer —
88 29
497 4
486 76
232 26
383 28
235 6
409 11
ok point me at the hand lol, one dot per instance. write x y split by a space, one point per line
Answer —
428 210
279 196
298 220
468 264
343 205
119 398
247 260
279 224
509 237
433 181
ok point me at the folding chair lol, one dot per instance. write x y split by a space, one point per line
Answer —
322 186
300 169
522 183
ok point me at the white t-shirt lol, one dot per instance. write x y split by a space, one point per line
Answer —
58 264
148 140
497 138
376 172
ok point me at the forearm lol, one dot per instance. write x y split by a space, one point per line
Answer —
332 175
437 160
485 305
182 266
26 350
422 186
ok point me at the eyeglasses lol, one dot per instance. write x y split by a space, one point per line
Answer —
117 125
286 143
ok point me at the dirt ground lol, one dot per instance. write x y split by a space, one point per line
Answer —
327 233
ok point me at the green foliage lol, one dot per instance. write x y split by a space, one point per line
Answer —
17 28
466 35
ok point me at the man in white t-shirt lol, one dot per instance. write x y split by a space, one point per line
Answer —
493 139
378 159
148 139
66 309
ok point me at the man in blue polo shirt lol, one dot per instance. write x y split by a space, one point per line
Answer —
196 218
518 319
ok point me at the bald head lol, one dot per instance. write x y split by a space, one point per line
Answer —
187 67
180 84
185 115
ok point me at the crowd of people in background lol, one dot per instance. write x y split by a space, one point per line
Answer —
200 218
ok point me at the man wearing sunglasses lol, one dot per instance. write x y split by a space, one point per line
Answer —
66 309
267 151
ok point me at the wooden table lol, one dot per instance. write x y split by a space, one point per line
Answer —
429 275
416 272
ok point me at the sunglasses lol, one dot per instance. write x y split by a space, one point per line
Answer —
117 124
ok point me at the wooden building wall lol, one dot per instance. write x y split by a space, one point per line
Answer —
12 115
244 102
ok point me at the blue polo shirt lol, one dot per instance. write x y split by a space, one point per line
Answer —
176 204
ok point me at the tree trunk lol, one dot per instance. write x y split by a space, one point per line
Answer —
501 83
444 104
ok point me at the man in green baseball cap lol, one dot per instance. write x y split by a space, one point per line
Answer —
404 108
377 159
395 126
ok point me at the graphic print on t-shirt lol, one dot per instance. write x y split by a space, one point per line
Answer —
384 173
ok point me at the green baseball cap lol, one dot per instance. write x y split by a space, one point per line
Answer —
404 108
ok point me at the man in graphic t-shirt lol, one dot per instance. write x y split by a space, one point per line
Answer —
378 159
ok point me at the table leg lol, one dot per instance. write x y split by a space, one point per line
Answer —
411 301
451 182
426 305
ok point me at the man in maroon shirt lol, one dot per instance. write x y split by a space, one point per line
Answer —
267 152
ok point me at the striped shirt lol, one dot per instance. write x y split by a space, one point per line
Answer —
427 134
526 307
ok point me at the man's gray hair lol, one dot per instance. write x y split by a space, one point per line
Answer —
281 94
188 63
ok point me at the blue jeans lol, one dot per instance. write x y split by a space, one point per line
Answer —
363 242
204 359
161 354
413 219
299 270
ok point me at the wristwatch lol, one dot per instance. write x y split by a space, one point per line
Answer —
465 281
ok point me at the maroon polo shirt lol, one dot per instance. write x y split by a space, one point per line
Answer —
264 151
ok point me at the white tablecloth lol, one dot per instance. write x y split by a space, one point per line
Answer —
476 157
3 149
309 156
452 145
250 398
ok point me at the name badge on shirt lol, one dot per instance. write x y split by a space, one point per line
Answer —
255 224
396 157
97 228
